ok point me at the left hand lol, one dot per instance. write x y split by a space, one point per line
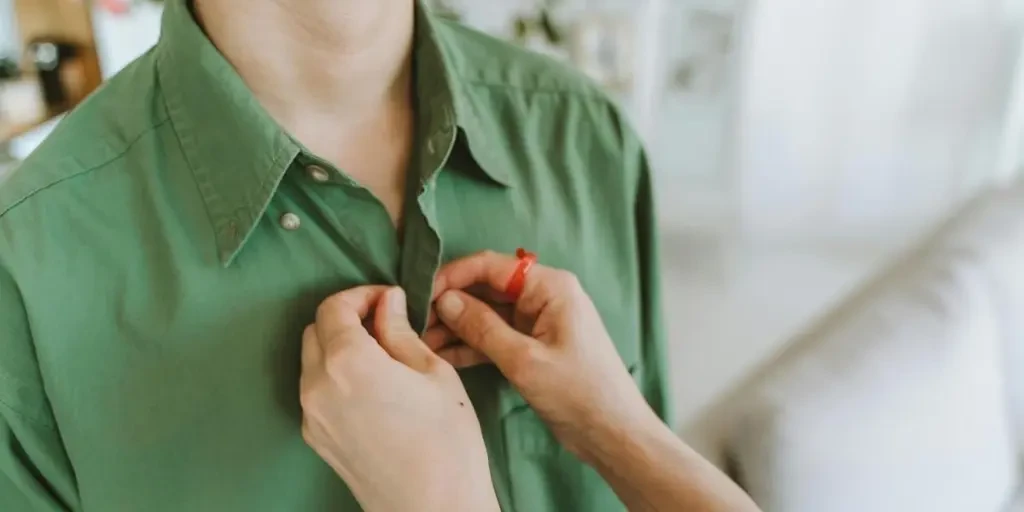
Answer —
386 413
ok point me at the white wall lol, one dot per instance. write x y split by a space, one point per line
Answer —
496 17
8 33
868 116
122 38
859 121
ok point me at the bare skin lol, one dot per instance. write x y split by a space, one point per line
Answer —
336 74
411 407
386 413
565 365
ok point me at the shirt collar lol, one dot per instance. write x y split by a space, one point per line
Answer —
239 154
439 61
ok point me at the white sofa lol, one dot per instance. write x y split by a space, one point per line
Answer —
909 397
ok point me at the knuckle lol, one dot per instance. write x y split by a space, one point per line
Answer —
321 311
388 330
327 308
429 363
335 359
334 305
309 332
442 368
568 281
307 434
307 400
566 286
398 331
521 362
487 330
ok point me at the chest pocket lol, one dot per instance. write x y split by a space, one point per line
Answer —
540 475
544 476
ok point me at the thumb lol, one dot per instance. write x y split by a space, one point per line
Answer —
480 327
396 336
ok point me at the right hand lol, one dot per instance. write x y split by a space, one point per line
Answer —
561 359
387 414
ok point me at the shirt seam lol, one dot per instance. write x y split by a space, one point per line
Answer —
255 211
201 184
24 416
468 72
80 172
206 191
590 95
227 216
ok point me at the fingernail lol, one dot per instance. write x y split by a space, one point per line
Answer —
450 305
396 301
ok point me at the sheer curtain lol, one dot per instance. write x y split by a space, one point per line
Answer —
9 44
871 118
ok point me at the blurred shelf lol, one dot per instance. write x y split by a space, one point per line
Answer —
6 167
11 131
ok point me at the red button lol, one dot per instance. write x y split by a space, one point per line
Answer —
517 282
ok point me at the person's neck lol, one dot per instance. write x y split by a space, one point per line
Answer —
316 59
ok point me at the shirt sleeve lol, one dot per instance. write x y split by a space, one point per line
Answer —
654 378
35 474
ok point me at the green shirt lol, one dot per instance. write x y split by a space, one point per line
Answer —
152 300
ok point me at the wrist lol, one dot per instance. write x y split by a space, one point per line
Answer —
474 501
464 491
450 488
475 495
613 435
467 488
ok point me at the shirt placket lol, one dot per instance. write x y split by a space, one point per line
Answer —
422 245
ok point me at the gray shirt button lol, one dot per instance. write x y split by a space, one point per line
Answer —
290 221
318 174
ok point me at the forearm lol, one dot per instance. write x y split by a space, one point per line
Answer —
454 485
651 469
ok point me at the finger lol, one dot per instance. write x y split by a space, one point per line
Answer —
312 363
486 268
396 335
488 294
312 354
439 337
344 312
432 319
463 356
492 271
480 327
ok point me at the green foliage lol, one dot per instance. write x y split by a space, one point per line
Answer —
541 22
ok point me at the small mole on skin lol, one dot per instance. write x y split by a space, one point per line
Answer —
462 404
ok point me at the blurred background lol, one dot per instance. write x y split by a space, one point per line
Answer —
843 231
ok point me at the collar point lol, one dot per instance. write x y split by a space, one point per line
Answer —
227 257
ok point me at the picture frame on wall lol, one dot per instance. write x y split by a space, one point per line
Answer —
702 63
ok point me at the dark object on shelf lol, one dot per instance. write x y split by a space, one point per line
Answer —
49 56
542 22
551 32
520 30
9 68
